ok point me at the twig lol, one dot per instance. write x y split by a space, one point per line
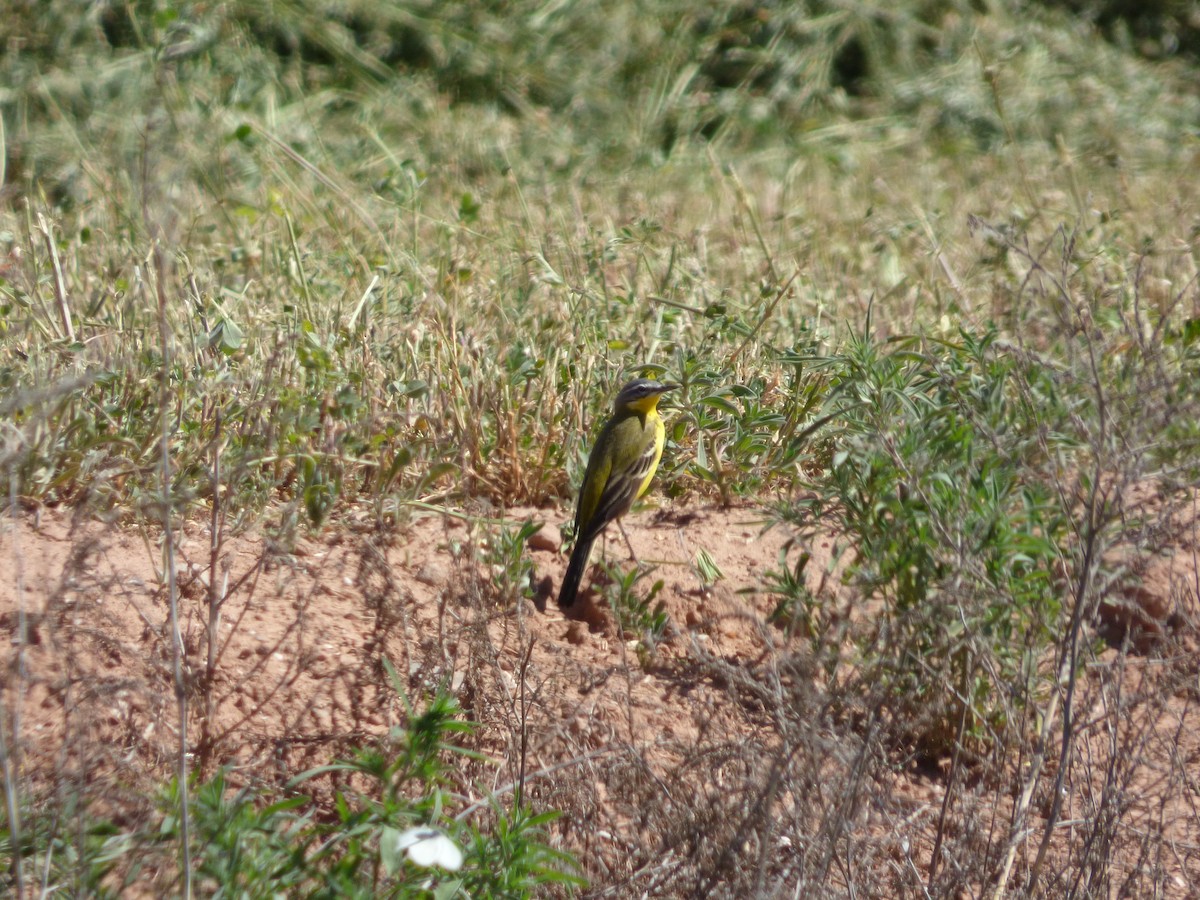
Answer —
60 286
533 776
217 591
165 428
6 758
779 295
1095 508
523 673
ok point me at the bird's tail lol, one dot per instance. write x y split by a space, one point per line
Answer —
575 570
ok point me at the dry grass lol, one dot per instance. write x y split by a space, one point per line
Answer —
296 309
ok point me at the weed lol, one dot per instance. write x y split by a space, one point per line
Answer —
945 525
513 858
638 617
707 569
507 557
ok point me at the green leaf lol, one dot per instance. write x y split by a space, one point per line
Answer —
715 401
227 337
390 852
468 208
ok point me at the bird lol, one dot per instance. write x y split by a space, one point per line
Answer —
619 470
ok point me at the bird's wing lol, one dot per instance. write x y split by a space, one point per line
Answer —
595 479
625 479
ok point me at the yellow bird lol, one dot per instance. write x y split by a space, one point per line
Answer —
619 471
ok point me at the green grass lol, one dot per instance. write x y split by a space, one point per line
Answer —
324 240
927 275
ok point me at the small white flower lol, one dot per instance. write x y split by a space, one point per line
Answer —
429 847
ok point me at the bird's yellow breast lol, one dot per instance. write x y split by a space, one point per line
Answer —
660 434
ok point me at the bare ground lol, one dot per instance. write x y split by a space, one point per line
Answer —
715 766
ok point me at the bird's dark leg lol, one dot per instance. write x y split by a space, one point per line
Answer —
632 555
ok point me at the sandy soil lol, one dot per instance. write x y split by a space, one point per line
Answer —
641 752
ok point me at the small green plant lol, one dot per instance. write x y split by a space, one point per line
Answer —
506 556
243 846
398 785
637 617
707 569
512 859
318 489
734 427
798 607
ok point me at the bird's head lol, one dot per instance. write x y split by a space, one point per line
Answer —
642 395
